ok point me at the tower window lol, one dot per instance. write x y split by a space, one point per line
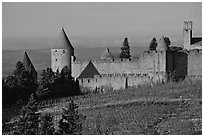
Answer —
63 51
55 59
88 80
55 50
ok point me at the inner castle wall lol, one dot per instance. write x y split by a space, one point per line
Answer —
148 62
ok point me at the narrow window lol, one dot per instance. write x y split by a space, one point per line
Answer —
55 59
63 51
88 80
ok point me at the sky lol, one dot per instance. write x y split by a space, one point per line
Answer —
36 25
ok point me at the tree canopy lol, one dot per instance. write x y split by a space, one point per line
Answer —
125 49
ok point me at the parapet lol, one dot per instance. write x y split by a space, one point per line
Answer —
118 60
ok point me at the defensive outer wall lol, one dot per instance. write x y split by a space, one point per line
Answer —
151 67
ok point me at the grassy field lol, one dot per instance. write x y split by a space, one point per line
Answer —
171 108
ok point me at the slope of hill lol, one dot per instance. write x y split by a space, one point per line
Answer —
171 108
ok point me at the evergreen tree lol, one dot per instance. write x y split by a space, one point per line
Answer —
71 121
167 41
18 86
47 126
55 84
125 49
153 44
28 123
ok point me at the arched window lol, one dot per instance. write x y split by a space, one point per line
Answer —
55 59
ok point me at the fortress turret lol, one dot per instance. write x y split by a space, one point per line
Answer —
187 34
162 45
61 53
106 54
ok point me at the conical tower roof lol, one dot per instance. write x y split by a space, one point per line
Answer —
29 66
162 44
89 71
62 41
106 54
27 62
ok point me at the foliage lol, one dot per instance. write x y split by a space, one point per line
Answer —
125 49
167 41
153 44
28 123
18 86
71 121
47 126
55 84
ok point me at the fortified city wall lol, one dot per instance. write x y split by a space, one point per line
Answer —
195 63
148 62
122 81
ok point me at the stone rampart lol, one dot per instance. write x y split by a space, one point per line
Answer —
122 81
148 62
195 62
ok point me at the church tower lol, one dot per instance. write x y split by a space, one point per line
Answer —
61 53
187 34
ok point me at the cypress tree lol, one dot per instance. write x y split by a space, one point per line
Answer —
153 44
125 49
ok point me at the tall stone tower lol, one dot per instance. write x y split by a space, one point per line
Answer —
61 53
187 34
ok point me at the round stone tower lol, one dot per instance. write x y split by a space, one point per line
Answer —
61 53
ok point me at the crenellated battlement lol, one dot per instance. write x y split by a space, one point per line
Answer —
118 60
118 81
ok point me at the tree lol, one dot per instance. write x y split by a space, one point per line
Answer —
167 41
28 123
55 84
47 126
71 121
19 85
125 49
153 44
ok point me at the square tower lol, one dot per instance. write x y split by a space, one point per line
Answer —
187 34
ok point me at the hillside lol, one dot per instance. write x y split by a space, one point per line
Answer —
174 108
171 108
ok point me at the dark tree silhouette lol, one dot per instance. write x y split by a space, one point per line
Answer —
18 86
57 84
153 44
125 49
28 123
47 126
167 41
71 121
